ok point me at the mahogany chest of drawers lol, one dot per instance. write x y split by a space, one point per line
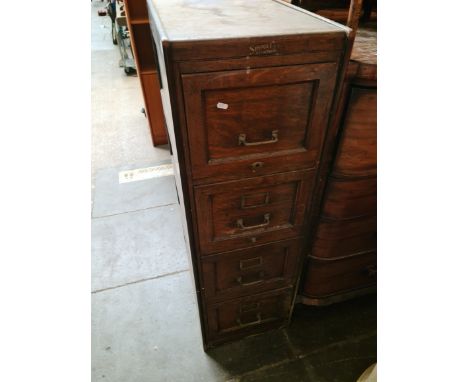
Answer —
342 261
247 88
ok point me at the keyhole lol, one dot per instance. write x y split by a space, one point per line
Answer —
256 165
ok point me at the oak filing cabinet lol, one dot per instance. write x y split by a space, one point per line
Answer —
247 89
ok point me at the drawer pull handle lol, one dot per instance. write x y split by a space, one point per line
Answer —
243 140
258 280
266 221
257 321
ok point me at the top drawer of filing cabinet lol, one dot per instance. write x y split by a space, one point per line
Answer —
259 121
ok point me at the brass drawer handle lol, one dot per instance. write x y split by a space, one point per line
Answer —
266 221
243 140
257 321
259 279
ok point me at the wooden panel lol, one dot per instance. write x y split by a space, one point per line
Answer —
239 214
357 153
229 113
325 278
153 107
345 237
259 46
241 316
144 52
253 62
256 112
145 60
345 199
136 9
249 271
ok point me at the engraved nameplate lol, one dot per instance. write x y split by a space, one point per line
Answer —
262 49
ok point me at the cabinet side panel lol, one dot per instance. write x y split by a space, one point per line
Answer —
178 151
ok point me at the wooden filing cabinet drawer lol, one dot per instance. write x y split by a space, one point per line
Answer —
327 277
345 237
250 271
248 314
243 213
257 121
345 199
357 152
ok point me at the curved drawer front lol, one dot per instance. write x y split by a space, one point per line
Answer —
249 271
251 313
357 153
346 199
244 213
331 277
275 116
345 237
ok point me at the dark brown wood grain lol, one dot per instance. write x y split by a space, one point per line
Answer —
340 238
357 152
242 47
327 278
350 198
252 62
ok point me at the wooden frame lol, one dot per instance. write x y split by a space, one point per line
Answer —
146 64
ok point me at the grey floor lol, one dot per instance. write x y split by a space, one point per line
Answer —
144 317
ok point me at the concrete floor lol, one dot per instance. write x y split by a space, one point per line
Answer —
145 325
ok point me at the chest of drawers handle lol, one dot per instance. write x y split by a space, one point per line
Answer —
243 140
266 221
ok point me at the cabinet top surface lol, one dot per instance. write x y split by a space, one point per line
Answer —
184 20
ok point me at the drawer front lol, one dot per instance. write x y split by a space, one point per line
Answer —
235 215
241 316
337 276
344 238
258 121
346 199
357 151
249 271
